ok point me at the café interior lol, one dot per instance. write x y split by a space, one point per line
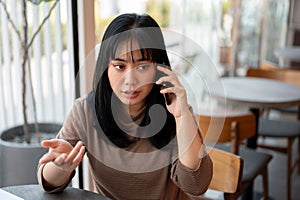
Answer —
239 61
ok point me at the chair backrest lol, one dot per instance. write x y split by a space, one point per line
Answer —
235 129
227 171
268 65
290 76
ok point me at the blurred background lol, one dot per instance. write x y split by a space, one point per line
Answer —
205 40
235 34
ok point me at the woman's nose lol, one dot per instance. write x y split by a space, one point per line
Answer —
130 77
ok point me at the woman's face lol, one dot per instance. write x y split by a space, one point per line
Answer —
131 76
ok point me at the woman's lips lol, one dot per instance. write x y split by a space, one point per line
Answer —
131 94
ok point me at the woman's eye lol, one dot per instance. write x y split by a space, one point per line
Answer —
119 67
142 67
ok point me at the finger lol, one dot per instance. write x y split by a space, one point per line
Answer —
46 158
169 77
60 160
164 70
50 143
74 151
163 79
79 157
178 90
167 90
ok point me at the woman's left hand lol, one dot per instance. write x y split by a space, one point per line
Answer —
179 98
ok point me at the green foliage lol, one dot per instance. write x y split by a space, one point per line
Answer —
37 2
160 11
100 27
226 5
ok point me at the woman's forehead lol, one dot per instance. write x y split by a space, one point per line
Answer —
127 46
131 50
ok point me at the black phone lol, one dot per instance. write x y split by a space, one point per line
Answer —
168 96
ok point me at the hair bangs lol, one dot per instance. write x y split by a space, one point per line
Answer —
131 41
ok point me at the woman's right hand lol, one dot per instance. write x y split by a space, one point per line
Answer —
62 153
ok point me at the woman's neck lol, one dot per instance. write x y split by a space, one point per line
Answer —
135 110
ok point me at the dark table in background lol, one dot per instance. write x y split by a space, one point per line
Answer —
35 192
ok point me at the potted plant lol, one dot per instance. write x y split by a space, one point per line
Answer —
225 34
20 150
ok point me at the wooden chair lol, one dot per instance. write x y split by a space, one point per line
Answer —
273 66
234 130
279 128
227 171
290 76
268 65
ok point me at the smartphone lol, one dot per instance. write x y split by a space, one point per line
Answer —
168 96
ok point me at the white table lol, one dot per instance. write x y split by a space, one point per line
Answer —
255 93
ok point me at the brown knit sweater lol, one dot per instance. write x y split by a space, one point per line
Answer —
137 172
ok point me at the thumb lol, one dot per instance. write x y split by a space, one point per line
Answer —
46 158
50 143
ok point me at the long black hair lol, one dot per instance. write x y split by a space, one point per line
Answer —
144 30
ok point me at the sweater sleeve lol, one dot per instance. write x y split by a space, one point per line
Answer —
47 186
74 126
192 182
70 132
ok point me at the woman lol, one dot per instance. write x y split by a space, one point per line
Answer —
140 137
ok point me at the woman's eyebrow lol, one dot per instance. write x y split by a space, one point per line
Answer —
120 59
142 59
138 60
